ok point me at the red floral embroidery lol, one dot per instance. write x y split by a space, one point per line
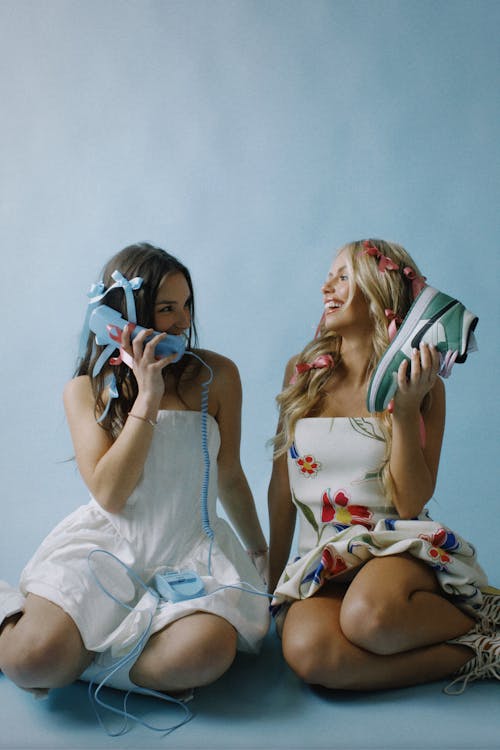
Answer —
439 555
333 563
340 512
440 542
438 539
308 465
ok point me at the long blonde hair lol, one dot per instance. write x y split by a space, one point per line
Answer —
384 290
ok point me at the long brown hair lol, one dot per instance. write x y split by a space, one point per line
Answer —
152 264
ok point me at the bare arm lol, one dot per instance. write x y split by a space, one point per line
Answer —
234 491
111 470
414 466
282 512
282 515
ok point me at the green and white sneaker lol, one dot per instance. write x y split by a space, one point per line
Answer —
434 318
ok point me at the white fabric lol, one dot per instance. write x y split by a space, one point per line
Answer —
11 601
345 520
160 527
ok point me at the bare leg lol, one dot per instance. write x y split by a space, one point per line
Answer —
42 648
191 652
395 604
318 650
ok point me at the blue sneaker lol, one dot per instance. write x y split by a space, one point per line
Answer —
434 318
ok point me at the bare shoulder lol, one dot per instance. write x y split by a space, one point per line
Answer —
78 391
224 368
225 394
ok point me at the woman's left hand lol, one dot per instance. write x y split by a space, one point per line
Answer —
413 386
261 561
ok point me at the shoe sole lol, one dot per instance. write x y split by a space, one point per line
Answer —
383 384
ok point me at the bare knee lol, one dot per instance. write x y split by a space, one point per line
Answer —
369 622
211 657
321 661
302 655
32 657
316 658
36 662
185 655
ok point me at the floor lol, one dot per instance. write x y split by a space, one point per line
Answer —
260 705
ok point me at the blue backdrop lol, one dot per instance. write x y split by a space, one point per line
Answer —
251 138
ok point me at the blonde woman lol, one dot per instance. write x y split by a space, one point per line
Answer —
379 596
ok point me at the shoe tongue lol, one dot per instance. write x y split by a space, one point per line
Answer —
472 343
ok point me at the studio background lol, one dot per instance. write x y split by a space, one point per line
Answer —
251 138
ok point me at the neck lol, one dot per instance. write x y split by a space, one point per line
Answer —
355 359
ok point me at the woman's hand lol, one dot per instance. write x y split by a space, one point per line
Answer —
146 366
413 387
260 560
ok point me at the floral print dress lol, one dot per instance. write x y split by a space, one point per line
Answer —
334 467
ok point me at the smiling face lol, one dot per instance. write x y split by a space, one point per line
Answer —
173 304
344 303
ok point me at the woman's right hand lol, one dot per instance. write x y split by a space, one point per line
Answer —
146 366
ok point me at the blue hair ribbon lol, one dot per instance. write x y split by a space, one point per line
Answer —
97 292
109 382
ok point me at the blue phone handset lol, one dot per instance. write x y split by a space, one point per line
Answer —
108 325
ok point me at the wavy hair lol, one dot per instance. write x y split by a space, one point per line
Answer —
152 264
385 290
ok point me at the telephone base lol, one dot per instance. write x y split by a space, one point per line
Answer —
179 585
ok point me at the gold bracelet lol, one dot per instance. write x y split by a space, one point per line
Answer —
143 419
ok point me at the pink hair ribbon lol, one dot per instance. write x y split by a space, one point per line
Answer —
324 360
394 322
384 262
417 282
370 249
